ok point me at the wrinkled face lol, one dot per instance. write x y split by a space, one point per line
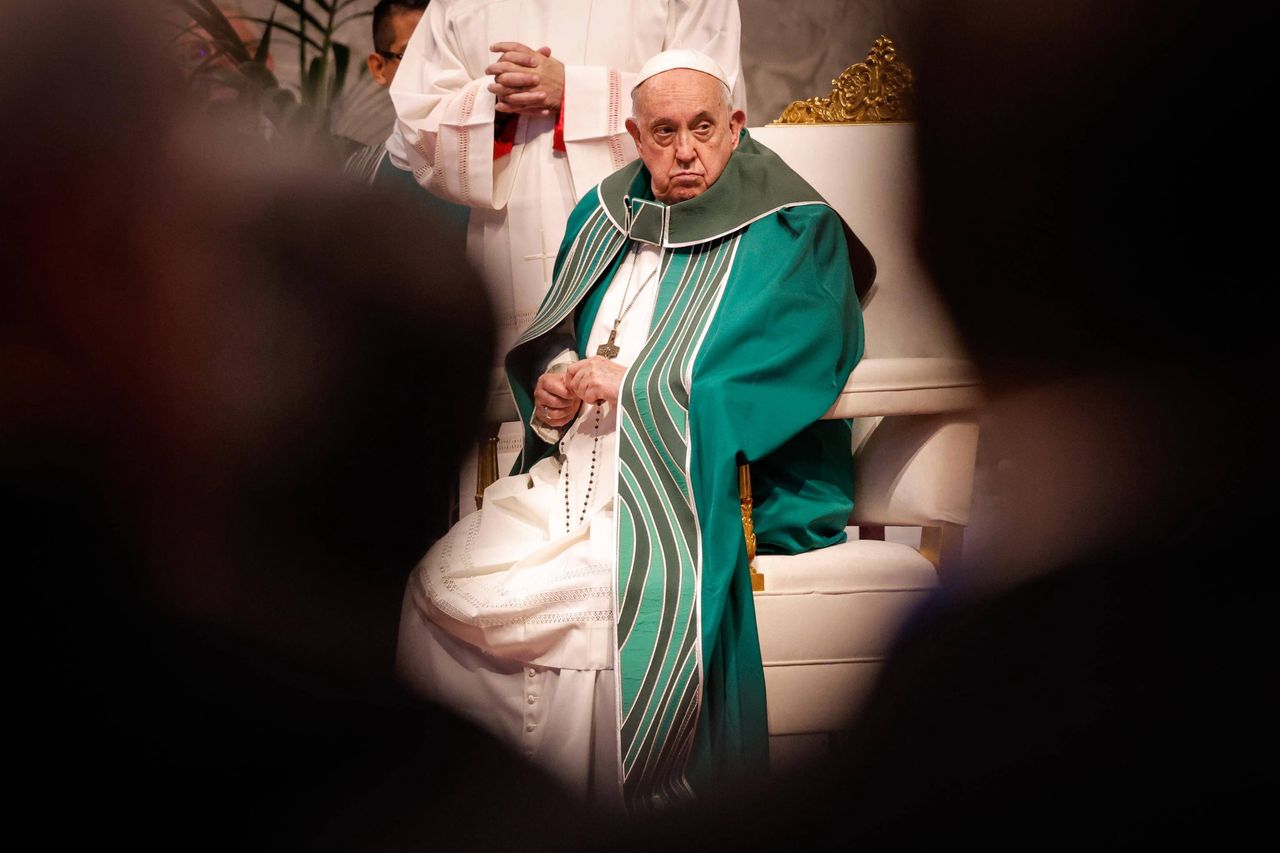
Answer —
684 131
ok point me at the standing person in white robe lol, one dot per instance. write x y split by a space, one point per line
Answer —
473 72
516 108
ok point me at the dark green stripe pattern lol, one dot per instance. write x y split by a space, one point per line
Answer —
691 687
659 547
596 245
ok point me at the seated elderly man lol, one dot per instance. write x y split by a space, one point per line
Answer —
597 612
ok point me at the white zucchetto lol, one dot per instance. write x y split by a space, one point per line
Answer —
681 58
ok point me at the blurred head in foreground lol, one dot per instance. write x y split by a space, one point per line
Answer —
224 394
1077 219
260 363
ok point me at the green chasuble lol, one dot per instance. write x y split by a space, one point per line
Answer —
754 334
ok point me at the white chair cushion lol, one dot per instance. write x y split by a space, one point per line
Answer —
842 603
853 566
826 619
832 627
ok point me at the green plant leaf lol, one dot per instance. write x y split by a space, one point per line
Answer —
313 89
341 61
264 46
221 29
301 10
260 75
279 106
298 118
221 34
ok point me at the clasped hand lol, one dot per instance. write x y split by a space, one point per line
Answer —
559 396
526 80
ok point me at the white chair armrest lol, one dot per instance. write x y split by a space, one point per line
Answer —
908 386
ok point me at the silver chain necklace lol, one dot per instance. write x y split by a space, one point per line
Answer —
609 349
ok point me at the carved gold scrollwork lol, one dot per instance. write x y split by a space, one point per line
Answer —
879 89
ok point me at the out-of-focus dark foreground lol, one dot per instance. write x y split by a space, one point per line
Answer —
230 385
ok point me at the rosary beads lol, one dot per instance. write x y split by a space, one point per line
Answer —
591 479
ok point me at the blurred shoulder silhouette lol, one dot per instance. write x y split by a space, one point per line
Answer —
1101 677
226 383
1082 225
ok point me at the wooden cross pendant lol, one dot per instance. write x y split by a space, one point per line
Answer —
609 349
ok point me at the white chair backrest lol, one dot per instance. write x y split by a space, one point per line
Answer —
867 173
912 469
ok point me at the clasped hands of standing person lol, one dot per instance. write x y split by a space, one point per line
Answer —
526 81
